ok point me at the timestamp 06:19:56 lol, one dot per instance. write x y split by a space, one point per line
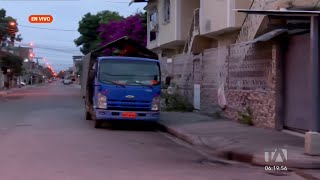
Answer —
275 168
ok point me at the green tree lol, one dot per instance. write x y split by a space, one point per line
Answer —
4 26
89 36
13 62
19 38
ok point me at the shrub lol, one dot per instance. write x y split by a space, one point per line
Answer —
245 117
176 102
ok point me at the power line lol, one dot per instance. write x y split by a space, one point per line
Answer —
48 46
64 50
50 29
120 2
51 49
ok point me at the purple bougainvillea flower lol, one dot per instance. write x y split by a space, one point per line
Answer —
131 26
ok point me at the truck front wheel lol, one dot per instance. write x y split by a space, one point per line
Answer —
98 124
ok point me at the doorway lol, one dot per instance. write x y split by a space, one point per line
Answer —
297 87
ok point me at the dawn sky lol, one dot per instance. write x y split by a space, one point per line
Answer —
58 46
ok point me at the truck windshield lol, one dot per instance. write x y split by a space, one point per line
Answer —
129 72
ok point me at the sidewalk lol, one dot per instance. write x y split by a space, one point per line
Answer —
4 92
235 141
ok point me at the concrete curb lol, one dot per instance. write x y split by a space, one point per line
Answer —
181 135
194 140
235 153
2 93
13 90
306 175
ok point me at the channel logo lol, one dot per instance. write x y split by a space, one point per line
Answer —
40 19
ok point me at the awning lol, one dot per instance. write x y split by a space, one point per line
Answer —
137 1
279 12
267 36
282 14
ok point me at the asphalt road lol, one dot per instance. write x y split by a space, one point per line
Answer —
43 136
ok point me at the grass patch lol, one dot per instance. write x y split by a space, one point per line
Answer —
246 116
176 102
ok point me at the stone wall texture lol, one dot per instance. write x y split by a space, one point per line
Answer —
248 83
247 73
251 83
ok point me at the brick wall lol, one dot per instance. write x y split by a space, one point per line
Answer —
166 68
181 70
248 83
213 62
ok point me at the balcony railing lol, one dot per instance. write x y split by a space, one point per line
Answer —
194 30
196 16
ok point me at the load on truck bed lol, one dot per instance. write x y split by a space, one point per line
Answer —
121 81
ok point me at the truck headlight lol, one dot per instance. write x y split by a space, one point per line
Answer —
155 104
102 101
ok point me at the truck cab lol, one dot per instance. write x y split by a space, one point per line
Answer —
122 88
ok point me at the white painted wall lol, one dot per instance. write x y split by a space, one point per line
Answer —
181 13
217 15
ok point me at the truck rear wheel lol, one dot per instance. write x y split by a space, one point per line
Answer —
88 116
97 124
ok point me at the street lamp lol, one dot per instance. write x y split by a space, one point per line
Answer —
12 23
12 30
31 55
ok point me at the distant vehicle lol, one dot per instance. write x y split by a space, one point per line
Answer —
22 84
50 81
73 78
67 81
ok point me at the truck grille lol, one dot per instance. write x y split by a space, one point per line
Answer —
129 105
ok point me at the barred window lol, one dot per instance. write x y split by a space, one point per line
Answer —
166 13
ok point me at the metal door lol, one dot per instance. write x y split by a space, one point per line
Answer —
297 84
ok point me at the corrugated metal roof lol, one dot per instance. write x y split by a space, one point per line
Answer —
136 1
267 36
280 12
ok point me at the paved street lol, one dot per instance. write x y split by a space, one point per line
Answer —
43 136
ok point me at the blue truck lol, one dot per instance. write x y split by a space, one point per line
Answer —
121 81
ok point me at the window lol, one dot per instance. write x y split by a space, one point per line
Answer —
153 35
166 10
153 22
129 72
153 17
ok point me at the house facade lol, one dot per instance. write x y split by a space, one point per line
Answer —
225 60
23 52
173 24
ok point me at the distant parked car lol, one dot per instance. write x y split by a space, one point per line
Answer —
23 83
50 81
67 81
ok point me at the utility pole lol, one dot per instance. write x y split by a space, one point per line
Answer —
37 64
